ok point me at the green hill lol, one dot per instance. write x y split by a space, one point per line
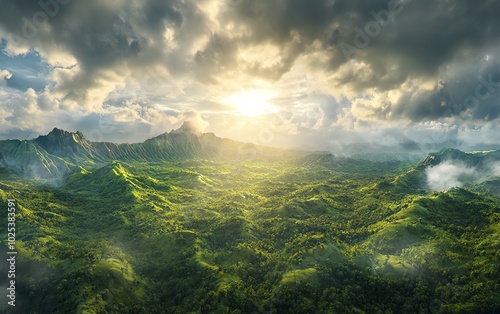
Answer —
191 223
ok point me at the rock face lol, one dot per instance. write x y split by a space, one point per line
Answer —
65 144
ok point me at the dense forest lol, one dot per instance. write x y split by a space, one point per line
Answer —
313 234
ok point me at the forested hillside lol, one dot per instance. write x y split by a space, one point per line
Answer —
187 223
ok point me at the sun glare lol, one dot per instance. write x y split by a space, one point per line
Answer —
252 102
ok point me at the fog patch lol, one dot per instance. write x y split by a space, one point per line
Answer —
46 172
496 169
450 174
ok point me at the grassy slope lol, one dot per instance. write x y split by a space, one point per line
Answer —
216 237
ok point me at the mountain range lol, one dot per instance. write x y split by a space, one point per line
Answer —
57 154
187 222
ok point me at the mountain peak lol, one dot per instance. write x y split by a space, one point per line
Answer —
62 134
188 127
56 131
62 143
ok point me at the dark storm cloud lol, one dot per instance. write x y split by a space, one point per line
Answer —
418 41
157 12
275 20
219 55
473 92
424 34
103 36
421 37
291 25
95 34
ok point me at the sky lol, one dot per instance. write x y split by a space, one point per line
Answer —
337 75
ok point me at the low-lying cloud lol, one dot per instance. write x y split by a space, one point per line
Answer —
452 174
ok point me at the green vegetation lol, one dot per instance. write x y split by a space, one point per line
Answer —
285 236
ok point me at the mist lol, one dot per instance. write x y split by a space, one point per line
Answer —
452 174
195 121
496 169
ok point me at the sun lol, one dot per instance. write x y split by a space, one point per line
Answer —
252 102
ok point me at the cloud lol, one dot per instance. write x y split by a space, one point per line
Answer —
496 169
27 70
447 175
143 64
195 120
4 74
451 174
103 44
19 108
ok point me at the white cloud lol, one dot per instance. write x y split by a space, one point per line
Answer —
451 174
4 76
448 175
196 120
